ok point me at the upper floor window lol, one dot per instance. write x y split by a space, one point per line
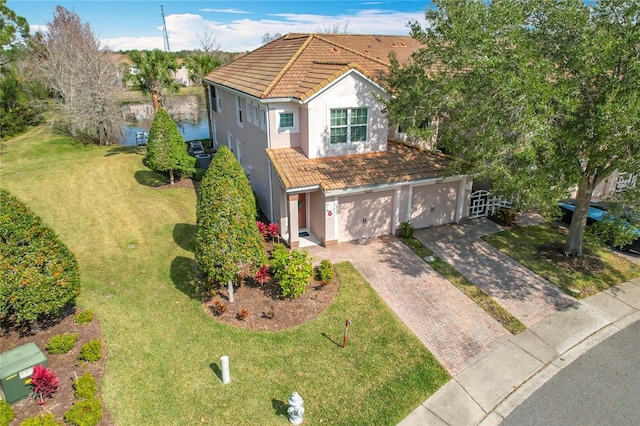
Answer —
239 115
349 125
286 120
263 118
214 98
249 116
256 117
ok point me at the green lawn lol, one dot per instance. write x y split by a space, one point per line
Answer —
134 244
597 271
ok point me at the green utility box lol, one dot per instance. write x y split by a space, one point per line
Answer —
16 369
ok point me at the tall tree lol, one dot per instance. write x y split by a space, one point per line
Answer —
166 149
537 96
154 73
228 238
79 72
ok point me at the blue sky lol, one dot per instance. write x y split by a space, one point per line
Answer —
238 25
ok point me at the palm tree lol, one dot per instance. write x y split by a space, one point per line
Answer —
154 73
200 64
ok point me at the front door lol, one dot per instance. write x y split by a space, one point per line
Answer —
302 211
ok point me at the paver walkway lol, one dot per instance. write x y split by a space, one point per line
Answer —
522 293
449 324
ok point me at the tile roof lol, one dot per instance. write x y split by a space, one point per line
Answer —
400 163
299 65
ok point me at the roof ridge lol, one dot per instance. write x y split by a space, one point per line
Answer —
288 65
386 64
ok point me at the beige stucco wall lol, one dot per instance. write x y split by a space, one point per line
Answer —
284 138
351 91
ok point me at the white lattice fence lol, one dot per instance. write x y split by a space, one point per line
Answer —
484 204
626 181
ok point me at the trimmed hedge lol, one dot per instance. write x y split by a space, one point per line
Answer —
85 386
166 150
86 412
42 420
61 344
228 238
6 413
39 275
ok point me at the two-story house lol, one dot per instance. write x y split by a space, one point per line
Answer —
303 116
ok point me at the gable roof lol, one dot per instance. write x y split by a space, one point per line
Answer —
299 65
400 163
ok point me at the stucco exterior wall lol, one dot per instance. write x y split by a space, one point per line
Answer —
351 91
287 137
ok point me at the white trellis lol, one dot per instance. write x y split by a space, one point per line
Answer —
626 181
484 204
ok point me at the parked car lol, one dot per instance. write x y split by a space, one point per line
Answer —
597 213
195 148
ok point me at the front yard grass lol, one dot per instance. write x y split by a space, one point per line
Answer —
490 306
134 244
539 248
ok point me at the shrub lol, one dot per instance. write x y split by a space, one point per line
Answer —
42 420
262 228
505 217
166 150
61 344
273 230
44 382
324 272
39 276
84 317
91 351
243 314
228 239
406 230
86 412
85 386
6 413
262 276
293 271
218 308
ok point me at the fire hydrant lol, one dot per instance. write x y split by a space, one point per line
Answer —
296 409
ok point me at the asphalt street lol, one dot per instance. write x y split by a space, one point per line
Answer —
602 387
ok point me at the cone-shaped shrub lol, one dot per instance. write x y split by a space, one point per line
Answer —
39 275
228 238
166 149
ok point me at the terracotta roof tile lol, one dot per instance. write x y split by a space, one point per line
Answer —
400 163
298 65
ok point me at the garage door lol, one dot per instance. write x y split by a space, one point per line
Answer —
434 204
365 215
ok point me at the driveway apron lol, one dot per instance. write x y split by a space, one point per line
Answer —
449 324
522 293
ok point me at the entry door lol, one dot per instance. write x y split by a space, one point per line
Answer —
302 211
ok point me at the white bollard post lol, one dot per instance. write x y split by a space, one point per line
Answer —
224 367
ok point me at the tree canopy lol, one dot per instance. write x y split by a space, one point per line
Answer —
166 149
537 96
154 73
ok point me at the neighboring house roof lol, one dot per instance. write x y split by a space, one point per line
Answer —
400 163
299 65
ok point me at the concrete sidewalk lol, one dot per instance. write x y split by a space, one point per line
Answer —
487 391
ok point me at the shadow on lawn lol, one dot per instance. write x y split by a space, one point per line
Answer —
149 178
116 150
184 234
280 407
183 277
216 370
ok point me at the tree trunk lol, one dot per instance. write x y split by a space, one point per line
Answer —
579 219
230 290
171 180
155 97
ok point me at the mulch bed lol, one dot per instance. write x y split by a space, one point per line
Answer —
64 365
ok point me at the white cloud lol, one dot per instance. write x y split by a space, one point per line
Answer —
237 11
239 35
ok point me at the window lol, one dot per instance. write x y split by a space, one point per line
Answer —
230 141
256 117
214 98
349 125
240 119
249 119
263 118
286 120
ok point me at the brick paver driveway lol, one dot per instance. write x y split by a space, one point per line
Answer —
524 294
449 324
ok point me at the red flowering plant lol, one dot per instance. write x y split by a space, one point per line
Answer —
262 276
44 382
274 231
262 228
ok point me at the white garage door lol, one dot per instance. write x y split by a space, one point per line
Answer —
433 205
365 215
